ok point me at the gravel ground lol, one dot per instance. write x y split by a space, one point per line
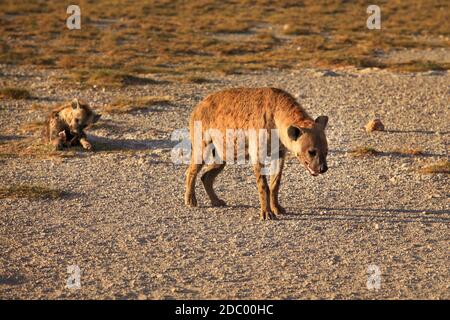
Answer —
123 221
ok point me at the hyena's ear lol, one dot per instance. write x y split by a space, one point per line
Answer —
75 104
96 118
322 120
294 132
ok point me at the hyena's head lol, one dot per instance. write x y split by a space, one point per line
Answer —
310 145
81 117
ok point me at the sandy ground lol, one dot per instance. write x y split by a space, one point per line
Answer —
123 221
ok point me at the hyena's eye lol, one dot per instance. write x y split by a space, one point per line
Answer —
312 152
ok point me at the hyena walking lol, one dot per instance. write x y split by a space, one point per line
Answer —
255 109
65 126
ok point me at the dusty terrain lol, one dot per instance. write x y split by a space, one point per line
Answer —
121 217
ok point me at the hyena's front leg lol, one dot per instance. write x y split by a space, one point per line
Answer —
264 193
85 143
274 187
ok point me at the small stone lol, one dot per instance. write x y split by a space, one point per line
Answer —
374 125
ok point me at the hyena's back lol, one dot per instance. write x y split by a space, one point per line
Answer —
245 108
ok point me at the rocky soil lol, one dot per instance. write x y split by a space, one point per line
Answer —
122 220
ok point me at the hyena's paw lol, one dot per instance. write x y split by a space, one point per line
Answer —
218 203
190 201
278 210
87 146
267 215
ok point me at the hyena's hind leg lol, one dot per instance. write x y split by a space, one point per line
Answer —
191 176
54 133
57 139
212 171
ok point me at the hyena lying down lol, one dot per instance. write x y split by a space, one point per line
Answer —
260 108
65 125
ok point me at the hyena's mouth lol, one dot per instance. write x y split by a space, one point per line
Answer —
311 171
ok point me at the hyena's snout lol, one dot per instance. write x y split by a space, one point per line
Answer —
323 168
76 131
75 127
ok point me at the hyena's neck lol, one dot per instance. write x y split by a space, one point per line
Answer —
291 115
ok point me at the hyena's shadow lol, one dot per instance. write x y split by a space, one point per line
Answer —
104 144
351 214
12 280
9 138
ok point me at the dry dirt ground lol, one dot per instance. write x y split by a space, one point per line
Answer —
122 219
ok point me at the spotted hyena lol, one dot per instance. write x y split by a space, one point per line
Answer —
65 126
257 108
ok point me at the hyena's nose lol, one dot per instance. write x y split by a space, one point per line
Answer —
323 168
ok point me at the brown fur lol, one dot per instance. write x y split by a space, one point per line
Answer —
65 125
261 108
